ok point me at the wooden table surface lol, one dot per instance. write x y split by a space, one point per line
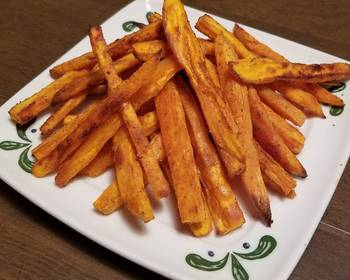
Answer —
33 245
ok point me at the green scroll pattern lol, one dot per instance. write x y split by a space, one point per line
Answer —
265 247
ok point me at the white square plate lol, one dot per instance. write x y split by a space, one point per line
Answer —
254 250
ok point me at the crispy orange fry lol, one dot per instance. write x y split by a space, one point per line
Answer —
275 177
205 227
301 98
110 200
291 136
130 177
260 70
211 170
269 139
101 162
213 74
210 27
187 50
322 95
104 60
180 156
153 172
51 123
145 50
255 46
92 78
281 105
116 49
236 94
32 106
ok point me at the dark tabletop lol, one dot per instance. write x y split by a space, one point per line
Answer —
34 33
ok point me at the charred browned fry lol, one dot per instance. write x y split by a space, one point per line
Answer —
236 94
180 156
31 107
322 95
116 49
269 139
92 78
104 60
55 119
291 136
130 177
188 52
153 172
275 177
301 98
281 105
212 173
110 200
260 70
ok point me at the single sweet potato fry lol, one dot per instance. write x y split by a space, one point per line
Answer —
205 227
180 156
130 177
275 177
51 123
212 173
153 172
187 50
291 136
116 49
153 17
236 94
110 200
104 60
301 98
32 106
281 105
260 70
269 139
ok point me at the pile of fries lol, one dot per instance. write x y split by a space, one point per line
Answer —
200 117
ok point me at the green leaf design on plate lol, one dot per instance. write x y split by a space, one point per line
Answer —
24 162
131 25
266 245
335 87
201 263
21 130
336 111
238 271
12 145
